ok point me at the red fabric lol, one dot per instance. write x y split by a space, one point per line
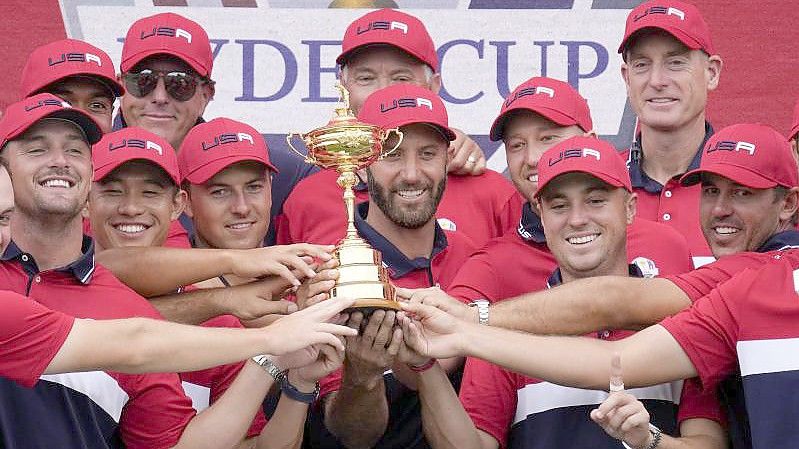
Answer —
30 336
482 207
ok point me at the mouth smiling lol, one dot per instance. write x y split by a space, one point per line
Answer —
57 183
582 240
410 194
131 228
240 226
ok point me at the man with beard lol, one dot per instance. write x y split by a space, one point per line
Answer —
362 406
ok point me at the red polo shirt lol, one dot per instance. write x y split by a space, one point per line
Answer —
520 262
88 409
481 207
30 336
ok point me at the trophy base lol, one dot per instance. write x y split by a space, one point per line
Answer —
362 276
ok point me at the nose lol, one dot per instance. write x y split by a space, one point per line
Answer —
410 169
532 156
130 206
658 76
722 206
578 216
240 205
159 94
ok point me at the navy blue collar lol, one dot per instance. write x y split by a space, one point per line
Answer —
119 122
81 268
530 228
556 279
397 263
641 180
781 241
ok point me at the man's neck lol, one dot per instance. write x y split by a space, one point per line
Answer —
412 243
53 242
669 153
620 268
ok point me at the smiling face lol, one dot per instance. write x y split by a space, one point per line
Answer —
134 206
667 82
527 135
51 170
407 185
6 208
231 210
585 222
737 218
87 94
157 111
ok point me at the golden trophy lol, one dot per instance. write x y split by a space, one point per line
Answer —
347 145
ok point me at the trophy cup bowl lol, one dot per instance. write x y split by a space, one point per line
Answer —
347 145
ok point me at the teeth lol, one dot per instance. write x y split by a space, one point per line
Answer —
532 178
661 100
409 193
582 240
725 230
239 226
131 228
56 183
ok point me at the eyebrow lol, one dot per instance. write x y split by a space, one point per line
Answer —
9 210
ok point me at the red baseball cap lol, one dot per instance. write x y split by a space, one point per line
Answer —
403 104
590 155
212 146
681 20
795 127
551 98
168 34
390 27
68 57
752 155
25 113
133 143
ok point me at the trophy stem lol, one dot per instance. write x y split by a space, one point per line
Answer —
347 180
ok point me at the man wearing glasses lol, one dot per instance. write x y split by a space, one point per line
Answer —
166 69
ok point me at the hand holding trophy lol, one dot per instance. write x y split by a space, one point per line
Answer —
347 145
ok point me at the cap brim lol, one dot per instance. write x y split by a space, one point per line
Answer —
345 56
90 128
132 60
207 171
678 34
498 127
740 175
446 132
102 172
607 179
794 132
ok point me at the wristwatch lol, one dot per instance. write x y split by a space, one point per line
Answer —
269 366
657 435
482 310
281 378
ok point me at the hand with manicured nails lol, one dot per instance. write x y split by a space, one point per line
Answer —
434 296
373 350
290 262
467 157
312 326
621 415
317 288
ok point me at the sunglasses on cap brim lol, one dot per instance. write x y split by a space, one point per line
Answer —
179 85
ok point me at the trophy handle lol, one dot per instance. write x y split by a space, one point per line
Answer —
307 158
399 135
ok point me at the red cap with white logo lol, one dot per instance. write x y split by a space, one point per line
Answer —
681 20
390 27
25 113
752 155
553 99
130 144
405 104
590 155
65 58
211 147
168 34
795 127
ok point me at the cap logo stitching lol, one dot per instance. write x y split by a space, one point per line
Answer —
383 25
74 57
532 90
227 138
41 103
732 145
667 10
167 31
572 153
136 143
406 103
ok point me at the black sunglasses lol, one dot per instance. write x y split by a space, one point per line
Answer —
179 85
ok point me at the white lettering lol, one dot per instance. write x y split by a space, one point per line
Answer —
591 152
746 146
424 102
184 33
156 147
545 90
399 26
95 58
244 136
675 12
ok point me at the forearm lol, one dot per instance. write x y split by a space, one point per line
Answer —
358 414
445 423
589 305
226 421
156 271
192 307
410 379
285 429
696 434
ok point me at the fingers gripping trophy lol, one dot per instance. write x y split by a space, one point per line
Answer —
347 145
